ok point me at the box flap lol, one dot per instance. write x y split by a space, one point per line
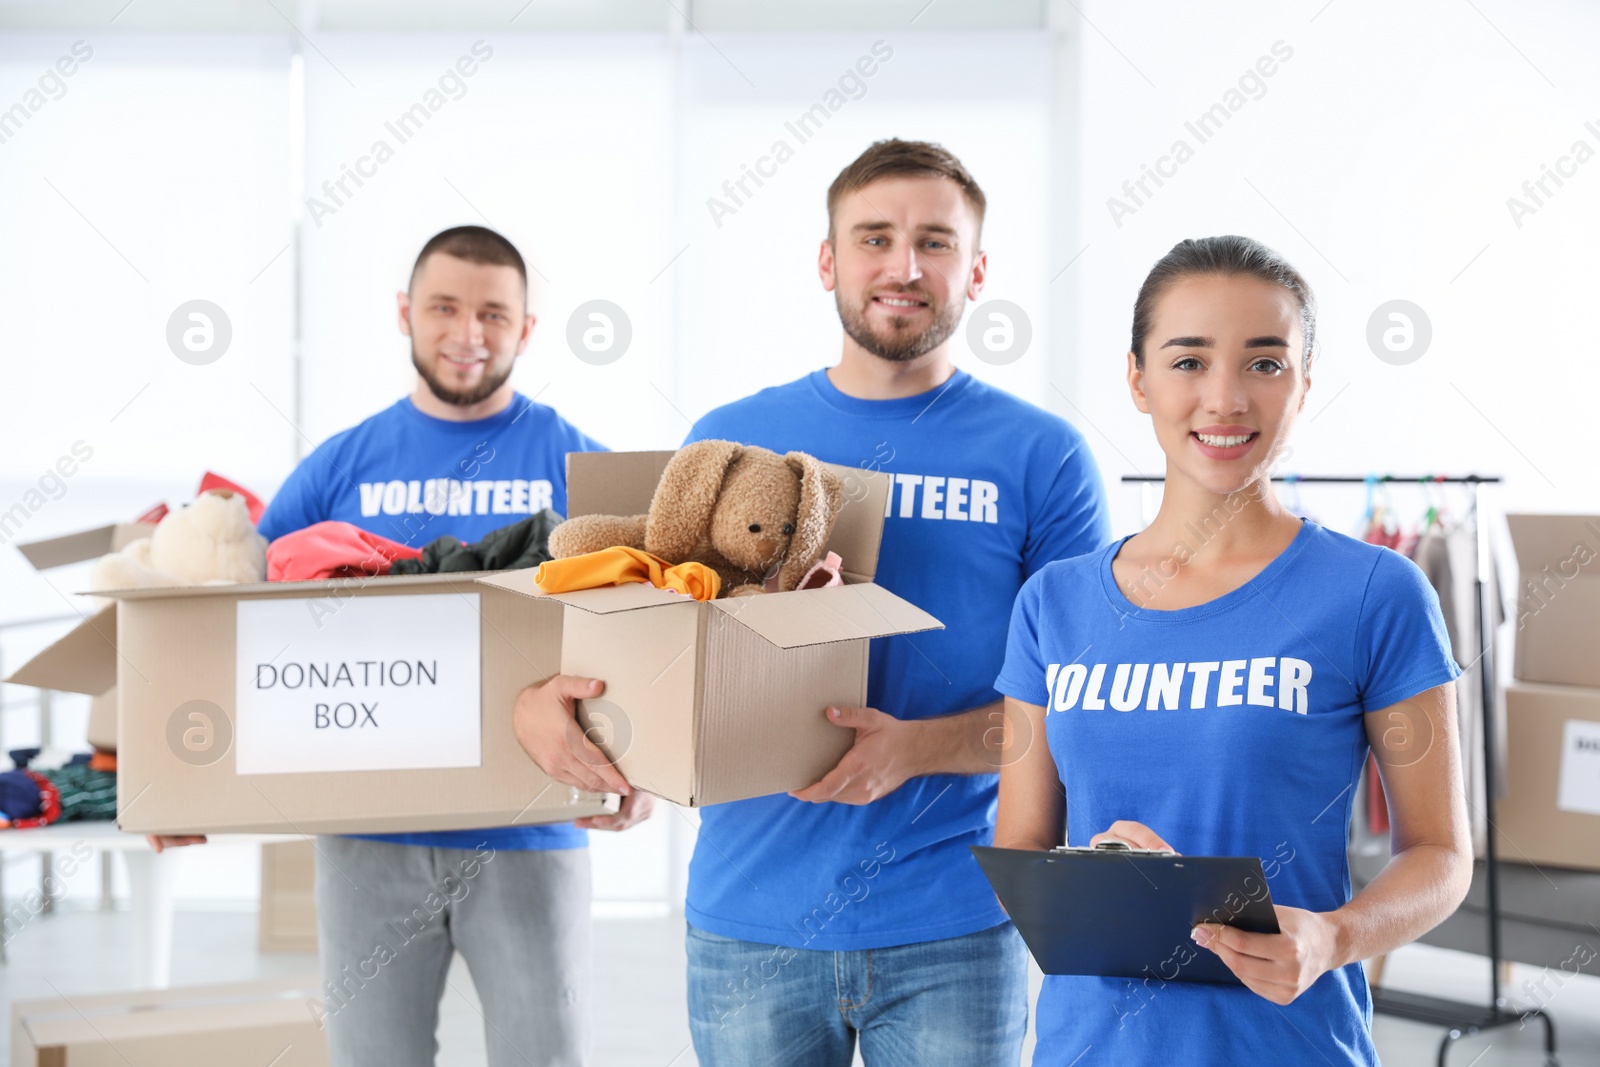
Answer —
83 661
613 483
1563 543
858 531
817 616
341 587
605 600
85 544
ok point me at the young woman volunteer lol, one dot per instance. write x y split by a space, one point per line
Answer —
1213 684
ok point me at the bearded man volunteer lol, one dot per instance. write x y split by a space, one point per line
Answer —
852 909
516 898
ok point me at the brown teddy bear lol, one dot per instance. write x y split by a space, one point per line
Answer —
740 510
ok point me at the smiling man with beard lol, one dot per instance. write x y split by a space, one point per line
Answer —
925 970
462 455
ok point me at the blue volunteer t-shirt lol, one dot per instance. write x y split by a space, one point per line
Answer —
1232 728
987 489
411 477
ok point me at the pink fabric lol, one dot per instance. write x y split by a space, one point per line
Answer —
333 550
824 572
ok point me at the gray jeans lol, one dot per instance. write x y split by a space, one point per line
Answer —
390 918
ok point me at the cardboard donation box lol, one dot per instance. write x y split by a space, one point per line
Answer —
264 1022
340 706
712 701
1550 814
1558 598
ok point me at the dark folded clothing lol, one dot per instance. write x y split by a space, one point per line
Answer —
522 544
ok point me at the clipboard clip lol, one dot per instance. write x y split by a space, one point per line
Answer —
1110 846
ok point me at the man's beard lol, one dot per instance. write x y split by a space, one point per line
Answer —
902 349
455 397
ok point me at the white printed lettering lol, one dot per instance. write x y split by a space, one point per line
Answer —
1202 681
955 498
394 498
985 501
1166 682
1260 678
1228 685
1126 692
1294 676
932 497
908 491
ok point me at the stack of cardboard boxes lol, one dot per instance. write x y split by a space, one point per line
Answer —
1550 813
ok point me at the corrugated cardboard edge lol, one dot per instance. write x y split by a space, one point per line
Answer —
85 544
83 660
850 612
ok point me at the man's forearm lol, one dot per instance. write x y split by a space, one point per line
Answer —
967 742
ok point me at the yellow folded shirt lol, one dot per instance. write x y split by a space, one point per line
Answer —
619 566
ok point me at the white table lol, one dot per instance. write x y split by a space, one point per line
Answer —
150 880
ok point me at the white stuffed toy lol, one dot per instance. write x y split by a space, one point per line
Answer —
210 542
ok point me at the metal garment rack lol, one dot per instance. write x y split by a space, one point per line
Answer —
1460 1018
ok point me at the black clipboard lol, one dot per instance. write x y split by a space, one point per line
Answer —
1118 914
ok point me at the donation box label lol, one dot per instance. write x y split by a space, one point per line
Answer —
382 683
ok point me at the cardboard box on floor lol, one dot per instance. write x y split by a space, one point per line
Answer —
1558 598
85 544
1550 814
712 701
263 1022
233 714
288 917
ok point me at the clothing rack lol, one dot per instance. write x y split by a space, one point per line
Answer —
1460 1018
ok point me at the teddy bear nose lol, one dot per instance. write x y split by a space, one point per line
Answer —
755 527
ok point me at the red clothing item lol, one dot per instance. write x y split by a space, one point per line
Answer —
254 504
333 550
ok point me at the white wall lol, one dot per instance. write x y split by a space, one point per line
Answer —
1378 156
1379 160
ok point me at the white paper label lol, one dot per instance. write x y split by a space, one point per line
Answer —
380 683
1579 789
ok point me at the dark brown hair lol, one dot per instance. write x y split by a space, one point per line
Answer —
475 244
895 158
1225 257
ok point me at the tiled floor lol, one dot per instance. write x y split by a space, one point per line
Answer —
639 971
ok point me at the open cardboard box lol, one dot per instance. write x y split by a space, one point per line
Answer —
85 544
275 1021
1558 598
224 727
712 701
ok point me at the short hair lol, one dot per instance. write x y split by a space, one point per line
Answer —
1224 257
895 158
475 244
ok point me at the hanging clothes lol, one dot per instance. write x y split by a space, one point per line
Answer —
1447 557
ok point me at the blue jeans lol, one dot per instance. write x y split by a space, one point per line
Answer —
960 1002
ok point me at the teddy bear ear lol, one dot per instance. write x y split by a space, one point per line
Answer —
821 497
680 510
